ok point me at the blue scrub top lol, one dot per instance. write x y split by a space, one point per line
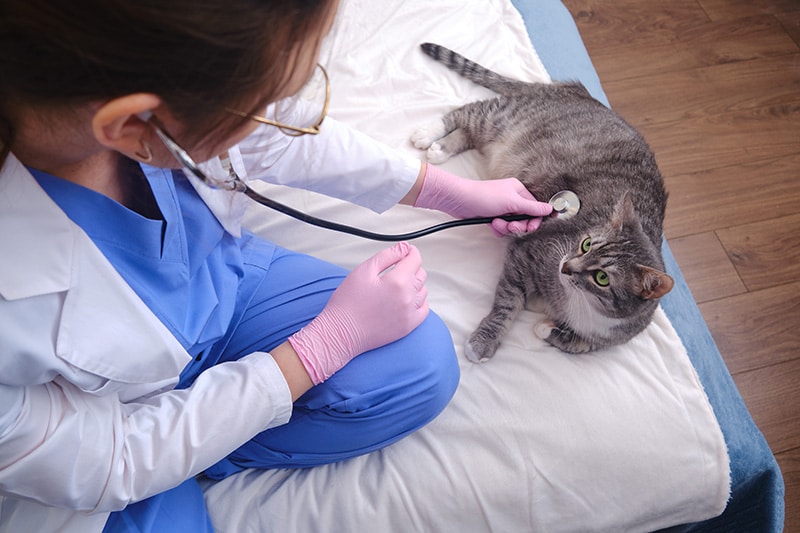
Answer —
185 268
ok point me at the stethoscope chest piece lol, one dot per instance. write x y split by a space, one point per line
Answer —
565 204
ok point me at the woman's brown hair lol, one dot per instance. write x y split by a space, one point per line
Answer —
199 56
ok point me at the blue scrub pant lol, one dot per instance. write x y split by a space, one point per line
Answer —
375 400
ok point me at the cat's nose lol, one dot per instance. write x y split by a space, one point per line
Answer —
566 269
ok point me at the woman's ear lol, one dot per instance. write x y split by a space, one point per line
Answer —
116 123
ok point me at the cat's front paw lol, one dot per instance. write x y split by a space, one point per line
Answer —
424 137
544 329
564 339
480 347
436 155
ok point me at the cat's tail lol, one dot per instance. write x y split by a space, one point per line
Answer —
473 71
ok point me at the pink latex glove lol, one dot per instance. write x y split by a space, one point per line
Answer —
372 307
465 198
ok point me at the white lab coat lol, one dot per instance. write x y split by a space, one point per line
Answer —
89 419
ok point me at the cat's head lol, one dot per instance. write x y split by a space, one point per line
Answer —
612 275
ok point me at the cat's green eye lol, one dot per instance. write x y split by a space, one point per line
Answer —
586 245
601 278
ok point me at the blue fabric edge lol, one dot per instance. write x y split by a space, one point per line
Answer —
757 486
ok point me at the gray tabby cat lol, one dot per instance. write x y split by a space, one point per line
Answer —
597 276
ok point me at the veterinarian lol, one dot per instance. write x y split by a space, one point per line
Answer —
145 337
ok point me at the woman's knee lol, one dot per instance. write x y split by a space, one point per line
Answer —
438 362
413 377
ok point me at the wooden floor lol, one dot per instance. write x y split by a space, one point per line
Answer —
714 85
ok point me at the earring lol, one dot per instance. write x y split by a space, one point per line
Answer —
147 156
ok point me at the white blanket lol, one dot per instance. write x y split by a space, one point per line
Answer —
535 439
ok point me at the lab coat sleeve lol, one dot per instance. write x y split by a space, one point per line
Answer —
66 448
340 162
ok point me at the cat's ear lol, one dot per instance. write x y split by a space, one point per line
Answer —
654 283
624 214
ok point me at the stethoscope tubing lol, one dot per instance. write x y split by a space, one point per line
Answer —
343 228
567 206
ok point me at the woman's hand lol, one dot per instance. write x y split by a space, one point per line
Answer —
380 301
465 198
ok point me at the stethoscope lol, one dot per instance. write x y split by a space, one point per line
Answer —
565 203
